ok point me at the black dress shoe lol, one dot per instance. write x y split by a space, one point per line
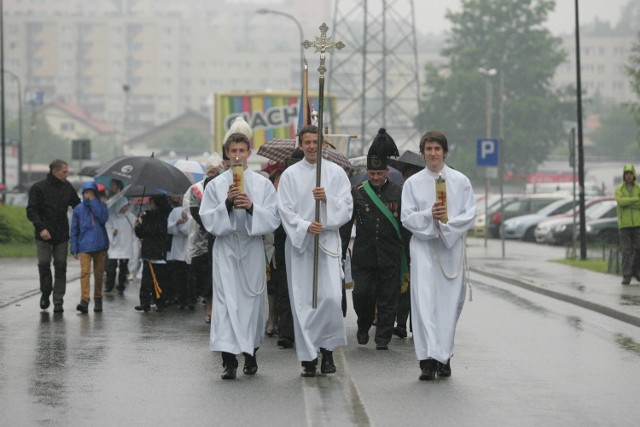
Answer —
626 280
250 364
327 366
444 370
57 308
400 332
144 308
363 337
428 368
382 347
229 373
44 301
309 368
285 342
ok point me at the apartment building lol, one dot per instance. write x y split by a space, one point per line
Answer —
138 63
602 61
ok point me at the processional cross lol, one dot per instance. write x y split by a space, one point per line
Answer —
322 44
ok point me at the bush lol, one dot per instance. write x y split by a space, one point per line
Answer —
15 228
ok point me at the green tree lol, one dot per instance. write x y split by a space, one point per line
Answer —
615 138
39 143
508 36
633 70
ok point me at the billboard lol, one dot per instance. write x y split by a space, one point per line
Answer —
270 114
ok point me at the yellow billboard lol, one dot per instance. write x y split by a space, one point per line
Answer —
270 114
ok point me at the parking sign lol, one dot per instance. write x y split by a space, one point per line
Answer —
487 152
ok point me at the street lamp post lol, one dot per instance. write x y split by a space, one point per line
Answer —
12 74
488 119
293 18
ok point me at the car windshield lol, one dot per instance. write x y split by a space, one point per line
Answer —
559 206
598 210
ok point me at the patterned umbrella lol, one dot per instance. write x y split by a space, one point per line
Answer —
279 150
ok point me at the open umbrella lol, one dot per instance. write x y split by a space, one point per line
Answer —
146 175
279 150
88 171
406 159
191 168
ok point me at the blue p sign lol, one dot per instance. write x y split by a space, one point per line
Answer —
487 152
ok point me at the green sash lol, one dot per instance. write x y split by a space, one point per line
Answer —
404 265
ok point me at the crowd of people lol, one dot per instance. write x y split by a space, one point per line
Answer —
250 244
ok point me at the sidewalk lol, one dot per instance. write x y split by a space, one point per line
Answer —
19 279
527 265
531 266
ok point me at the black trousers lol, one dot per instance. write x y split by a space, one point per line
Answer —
283 305
121 266
180 287
403 309
376 287
147 292
201 275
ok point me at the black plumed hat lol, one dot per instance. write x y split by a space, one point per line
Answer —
381 148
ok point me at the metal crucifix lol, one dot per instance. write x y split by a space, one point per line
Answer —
322 44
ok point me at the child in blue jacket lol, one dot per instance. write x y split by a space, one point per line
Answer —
89 242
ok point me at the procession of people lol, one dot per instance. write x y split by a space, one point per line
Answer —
211 243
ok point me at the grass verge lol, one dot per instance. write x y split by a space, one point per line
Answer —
601 266
18 250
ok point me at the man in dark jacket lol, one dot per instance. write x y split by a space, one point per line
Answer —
378 246
49 201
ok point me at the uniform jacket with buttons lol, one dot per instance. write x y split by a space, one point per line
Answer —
376 242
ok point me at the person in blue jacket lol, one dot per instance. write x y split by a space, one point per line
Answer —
89 243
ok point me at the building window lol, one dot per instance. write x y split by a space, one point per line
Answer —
66 127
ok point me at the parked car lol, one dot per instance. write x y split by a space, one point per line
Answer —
523 226
602 231
493 203
559 230
520 206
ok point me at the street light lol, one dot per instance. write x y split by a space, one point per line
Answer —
488 118
12 74
293 18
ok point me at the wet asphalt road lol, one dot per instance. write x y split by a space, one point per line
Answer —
521 359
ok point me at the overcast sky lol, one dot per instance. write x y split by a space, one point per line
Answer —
561 21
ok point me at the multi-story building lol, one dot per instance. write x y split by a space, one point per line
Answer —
138 63
602 63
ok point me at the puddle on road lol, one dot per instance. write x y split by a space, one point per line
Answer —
628 343
630 300
513 298
575 322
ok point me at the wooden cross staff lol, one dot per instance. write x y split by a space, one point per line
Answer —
321 44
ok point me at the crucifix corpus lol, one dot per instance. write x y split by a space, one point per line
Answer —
322 44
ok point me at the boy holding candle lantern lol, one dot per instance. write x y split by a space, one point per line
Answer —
438 207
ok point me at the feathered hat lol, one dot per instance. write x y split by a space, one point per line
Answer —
381 148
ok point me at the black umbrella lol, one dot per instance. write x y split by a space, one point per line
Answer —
88 171
407 159
146 175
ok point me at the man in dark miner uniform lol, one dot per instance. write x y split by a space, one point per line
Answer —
379 261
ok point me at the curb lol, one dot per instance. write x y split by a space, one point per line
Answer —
598 308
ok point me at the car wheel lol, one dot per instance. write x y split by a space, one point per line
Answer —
529 236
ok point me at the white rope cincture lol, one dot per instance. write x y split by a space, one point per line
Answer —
464 264
467 280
